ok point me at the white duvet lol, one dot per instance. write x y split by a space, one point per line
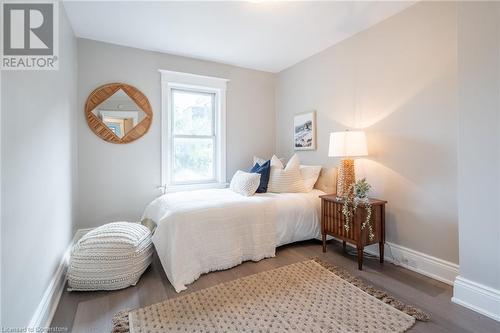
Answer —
208 230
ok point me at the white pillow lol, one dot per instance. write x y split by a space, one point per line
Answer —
310 174
245 183
285 179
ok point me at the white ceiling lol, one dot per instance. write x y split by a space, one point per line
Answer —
264 35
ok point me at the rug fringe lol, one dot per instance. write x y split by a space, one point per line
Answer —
120 322
375 292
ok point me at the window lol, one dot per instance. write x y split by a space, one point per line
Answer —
193 131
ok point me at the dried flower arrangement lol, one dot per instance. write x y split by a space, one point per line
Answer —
356 195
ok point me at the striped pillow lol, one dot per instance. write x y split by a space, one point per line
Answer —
285 179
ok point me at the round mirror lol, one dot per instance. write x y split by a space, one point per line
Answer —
118 113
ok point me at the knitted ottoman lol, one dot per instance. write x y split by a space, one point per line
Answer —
110 257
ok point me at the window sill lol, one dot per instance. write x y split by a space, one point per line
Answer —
194 187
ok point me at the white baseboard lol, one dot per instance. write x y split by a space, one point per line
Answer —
472 295
419 262
79 234
477 297
47 307
435 268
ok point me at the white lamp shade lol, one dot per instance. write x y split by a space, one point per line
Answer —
347 144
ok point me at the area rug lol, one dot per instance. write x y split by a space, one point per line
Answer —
309 296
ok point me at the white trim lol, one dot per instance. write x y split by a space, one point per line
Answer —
164 138
172 80
79 234
477 297
47 307
472 295
192 187
419 262
190 79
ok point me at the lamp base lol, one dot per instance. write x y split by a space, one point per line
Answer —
345 177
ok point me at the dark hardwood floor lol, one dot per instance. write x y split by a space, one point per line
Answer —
92 311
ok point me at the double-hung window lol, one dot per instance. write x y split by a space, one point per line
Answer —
193 131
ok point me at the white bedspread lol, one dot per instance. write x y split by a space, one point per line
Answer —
208 230
298 216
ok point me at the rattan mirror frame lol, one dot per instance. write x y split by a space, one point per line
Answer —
102 93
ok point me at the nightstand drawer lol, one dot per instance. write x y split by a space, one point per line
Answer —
334 221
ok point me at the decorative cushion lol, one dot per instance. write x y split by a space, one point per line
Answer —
110 257
245 183
285 179
327 181
310 174
264 171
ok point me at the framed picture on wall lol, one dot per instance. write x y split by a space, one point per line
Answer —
304 131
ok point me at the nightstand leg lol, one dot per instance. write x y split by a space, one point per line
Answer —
382 233
344 244
360 257
381 251
323 237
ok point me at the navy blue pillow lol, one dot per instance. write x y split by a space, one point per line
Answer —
264 171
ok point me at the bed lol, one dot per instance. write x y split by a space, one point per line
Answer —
202 231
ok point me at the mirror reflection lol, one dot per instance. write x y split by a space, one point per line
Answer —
119 113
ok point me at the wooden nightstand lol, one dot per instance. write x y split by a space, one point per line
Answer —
332 223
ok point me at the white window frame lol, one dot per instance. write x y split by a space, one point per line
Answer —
171 80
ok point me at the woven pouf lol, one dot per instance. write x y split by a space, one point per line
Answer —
110 257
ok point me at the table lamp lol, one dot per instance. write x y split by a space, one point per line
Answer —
347 144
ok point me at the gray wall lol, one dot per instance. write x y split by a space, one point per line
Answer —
38 157
117 181
397 81
479 141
